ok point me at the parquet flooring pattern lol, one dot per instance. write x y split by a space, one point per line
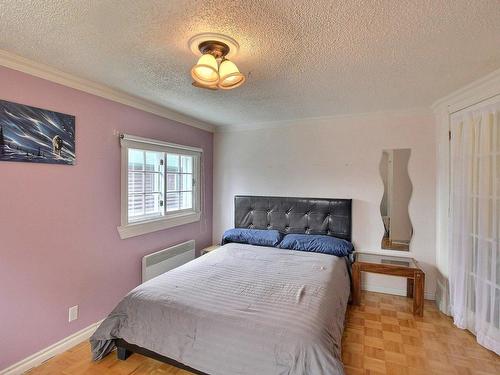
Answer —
381 337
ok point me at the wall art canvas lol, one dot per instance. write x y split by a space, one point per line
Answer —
36 135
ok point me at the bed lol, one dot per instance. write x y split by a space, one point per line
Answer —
244 309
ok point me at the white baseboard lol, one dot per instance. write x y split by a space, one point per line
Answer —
36 359
394 291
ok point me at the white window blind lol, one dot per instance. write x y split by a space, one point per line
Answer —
145 184
161 185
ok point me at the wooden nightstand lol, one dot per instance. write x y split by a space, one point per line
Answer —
394 266
206 250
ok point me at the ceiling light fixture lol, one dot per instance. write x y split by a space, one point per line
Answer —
214 70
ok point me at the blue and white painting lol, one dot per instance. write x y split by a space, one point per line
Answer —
36 135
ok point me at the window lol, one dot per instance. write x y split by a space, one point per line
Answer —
145 184
160 185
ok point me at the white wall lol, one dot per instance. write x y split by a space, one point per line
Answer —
335 158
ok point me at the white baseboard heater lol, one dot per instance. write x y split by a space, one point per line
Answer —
164 260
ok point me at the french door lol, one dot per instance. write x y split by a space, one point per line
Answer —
475 221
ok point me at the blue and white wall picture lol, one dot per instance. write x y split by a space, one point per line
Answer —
36 135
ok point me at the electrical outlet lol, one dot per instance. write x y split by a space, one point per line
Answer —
73 313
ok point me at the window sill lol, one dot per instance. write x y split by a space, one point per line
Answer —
132 230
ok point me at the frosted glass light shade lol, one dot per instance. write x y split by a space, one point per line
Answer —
230 76
205 71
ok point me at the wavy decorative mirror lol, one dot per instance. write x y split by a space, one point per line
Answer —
397 193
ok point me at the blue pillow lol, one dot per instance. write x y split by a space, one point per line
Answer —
318 244
259 237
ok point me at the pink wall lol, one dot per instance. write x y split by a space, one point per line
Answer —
58 240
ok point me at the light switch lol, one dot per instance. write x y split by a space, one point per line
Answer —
73 313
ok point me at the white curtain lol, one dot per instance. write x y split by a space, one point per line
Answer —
475 222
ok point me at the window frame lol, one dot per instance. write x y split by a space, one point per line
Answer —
134 228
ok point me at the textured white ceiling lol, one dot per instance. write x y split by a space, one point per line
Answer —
303 58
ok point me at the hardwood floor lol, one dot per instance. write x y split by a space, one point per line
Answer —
381 337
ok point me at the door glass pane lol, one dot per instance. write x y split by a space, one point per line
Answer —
496 311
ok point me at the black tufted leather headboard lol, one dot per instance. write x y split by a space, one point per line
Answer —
295 215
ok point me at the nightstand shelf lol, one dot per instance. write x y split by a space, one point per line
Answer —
394 266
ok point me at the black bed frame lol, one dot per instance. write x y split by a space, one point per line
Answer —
325 216
125 350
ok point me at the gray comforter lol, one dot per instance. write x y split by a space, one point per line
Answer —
241 309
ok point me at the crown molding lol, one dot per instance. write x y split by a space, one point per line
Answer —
22 64
309 120
475 92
